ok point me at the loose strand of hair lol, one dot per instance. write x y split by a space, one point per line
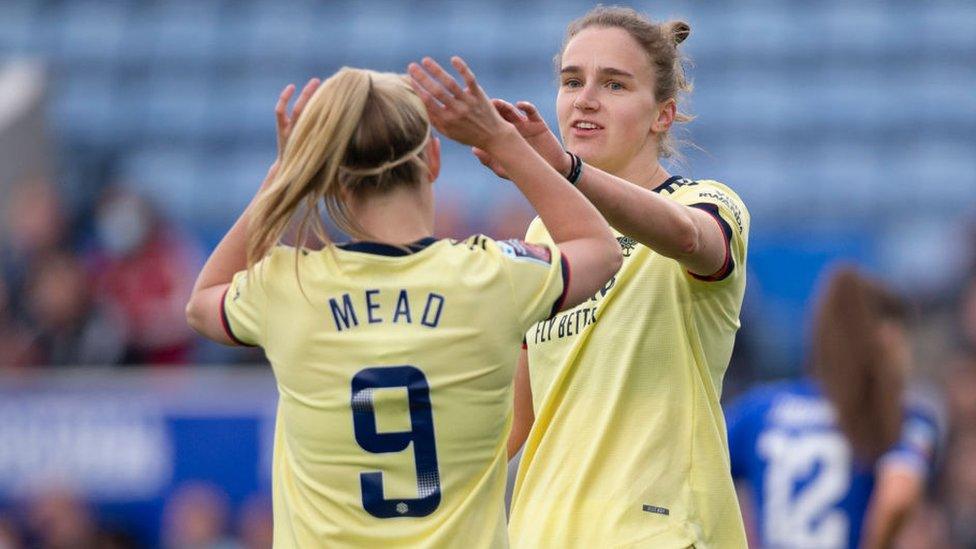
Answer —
310 163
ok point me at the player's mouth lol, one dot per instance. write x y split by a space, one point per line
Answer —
585 128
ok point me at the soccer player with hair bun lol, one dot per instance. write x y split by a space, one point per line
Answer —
394 353
617 400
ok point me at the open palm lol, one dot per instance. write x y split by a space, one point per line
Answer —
530 124
285 121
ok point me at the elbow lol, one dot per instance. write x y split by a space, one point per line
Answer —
689 240
194 314
898 492
901 502
614 258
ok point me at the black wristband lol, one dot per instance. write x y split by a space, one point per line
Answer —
575 169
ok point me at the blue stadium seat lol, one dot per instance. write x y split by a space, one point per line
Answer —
778 84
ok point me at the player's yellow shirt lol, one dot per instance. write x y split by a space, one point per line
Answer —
394 370
629 446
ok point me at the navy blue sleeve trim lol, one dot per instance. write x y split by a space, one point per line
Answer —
729 264
558 305
226 324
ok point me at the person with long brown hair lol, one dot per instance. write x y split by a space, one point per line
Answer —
840 457
394 353
617 401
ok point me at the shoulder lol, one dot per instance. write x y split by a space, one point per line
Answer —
768 395
711 185
765 392
280 260
923 431
282 252
924 409
675 185
713 192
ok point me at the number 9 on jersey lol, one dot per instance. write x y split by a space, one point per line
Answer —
421 434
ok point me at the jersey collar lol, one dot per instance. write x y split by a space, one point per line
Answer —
669 181
389 250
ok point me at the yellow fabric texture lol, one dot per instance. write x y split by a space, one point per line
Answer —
629 447
448 319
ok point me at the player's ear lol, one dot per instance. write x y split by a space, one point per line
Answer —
433 156
666 112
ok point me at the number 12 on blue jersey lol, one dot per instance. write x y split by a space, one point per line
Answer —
421 434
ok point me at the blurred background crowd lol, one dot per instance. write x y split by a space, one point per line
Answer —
133 134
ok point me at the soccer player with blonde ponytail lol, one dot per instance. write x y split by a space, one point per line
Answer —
393 353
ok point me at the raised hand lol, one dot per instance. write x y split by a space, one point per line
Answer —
530 124
464 115
286 122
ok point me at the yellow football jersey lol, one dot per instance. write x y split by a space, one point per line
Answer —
629 446
394 370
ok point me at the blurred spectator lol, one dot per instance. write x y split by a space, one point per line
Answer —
9 534
68 327
960 488
196 518
58 519
14 339
255 524
35 223
145 270
116 539
967 314
961 391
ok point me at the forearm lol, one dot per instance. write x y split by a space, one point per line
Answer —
882 528
661 224
896 494
566 214
229 257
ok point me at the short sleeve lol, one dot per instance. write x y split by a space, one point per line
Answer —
539 276
920 436
732 217
243 309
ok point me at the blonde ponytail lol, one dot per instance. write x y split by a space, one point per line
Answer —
361 131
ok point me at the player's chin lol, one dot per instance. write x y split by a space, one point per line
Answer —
590 151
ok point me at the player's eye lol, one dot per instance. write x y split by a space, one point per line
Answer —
572 82
613 85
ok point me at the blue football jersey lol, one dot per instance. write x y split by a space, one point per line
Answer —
809 490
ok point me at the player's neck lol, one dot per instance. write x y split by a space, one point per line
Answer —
641 172
647 177
399 216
